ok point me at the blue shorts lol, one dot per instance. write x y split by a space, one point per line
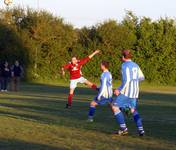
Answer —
123 102
103 100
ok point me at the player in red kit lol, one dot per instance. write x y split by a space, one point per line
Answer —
74 67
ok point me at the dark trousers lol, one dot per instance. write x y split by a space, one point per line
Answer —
15 83
4 83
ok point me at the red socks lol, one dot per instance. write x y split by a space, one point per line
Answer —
70 96
94 87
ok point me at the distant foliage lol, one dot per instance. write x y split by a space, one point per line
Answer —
43 43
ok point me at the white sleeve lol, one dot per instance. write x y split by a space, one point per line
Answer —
102 88
140 75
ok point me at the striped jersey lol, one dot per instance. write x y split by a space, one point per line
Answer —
105 85
131 75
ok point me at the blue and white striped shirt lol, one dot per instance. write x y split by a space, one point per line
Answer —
105 86
131 75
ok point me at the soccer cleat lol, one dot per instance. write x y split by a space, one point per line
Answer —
68 106
121 132
90 120
141 132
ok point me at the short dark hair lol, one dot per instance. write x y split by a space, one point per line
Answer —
127 54
105 63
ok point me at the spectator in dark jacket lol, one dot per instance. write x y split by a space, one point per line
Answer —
5 75
17 72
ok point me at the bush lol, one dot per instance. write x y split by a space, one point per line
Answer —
43 43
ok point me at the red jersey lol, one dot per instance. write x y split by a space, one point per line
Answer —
75 70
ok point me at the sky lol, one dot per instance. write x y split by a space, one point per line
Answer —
90 12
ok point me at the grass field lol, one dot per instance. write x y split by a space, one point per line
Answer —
35 119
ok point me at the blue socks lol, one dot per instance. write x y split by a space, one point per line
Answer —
138 121
91 111
120 119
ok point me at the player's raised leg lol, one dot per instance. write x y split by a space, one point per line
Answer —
90 84
74 67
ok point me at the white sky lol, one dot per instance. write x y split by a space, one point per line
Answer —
90 12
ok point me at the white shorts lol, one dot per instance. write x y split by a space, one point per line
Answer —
73 83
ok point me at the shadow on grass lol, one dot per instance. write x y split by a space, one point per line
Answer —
158 119
51 112
22 145
54 89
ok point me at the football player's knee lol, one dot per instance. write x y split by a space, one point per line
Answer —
115 109
93 104
133 110
72 90
88 83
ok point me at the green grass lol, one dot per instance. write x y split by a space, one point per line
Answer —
145 85
35 119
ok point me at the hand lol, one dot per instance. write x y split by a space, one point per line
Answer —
12 74
94 53
116 92
97 51
98 98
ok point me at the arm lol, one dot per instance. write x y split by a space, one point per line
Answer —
85 60
125 79
22 72
9 72
65 67
141 75
12 71
94 53
102 88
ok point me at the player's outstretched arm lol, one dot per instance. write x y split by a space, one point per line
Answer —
94 53
85 60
